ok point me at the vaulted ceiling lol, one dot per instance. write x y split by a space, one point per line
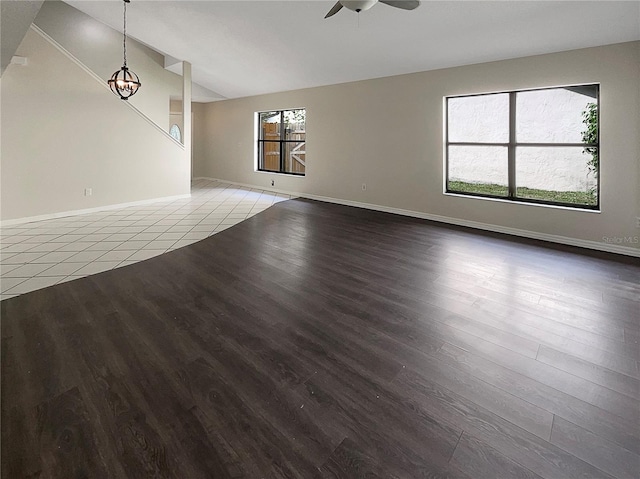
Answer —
15 19
241 48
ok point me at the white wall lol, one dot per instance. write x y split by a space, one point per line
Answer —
99 47
544 116
388 133
63 131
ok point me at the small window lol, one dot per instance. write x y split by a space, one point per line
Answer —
537 146
175 132
281 141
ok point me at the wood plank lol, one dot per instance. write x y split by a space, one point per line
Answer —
380 421
607 456
478 459
592 372
246 427
66 440
317 340
532 452
618 428
349 461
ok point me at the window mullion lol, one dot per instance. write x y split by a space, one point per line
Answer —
282 133
511 161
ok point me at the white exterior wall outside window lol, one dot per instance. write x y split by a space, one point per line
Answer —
546 143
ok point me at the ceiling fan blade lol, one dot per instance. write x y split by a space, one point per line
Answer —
404 4
336 8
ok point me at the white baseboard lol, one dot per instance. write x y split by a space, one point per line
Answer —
565 240
258 187
63 214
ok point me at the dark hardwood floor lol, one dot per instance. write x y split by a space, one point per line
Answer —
317 340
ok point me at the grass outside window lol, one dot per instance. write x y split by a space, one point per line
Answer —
501 191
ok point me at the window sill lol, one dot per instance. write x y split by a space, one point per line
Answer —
525 203
294 175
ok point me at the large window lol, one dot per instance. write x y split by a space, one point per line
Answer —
538 146
281 141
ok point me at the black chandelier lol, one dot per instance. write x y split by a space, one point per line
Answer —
124 82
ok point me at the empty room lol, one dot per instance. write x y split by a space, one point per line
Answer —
320 239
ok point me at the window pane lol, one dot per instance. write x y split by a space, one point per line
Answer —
557 115
270 155
478 169
295 157
558 174
269 125
282 141
295 124
479 119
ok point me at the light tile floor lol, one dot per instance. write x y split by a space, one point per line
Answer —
43 253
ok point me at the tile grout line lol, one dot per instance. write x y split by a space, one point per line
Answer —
74 233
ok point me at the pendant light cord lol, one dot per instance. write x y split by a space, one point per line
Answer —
124 82
124 41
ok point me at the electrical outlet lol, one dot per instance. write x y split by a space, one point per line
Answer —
88 192
273 183
364 186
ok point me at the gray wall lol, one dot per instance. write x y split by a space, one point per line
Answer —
388 133
15 19
99 47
